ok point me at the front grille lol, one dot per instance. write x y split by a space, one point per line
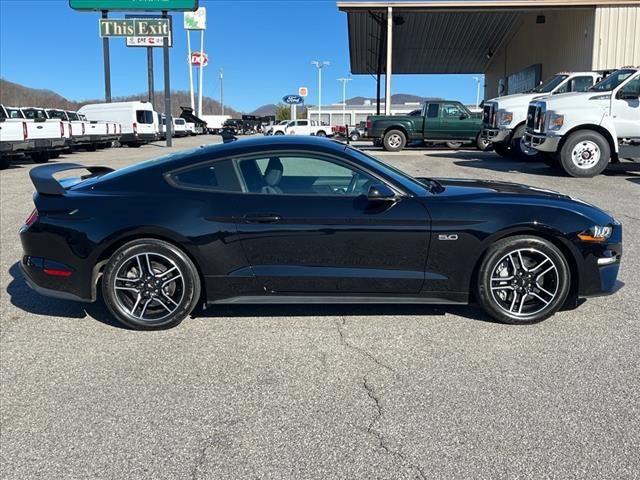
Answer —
489 115
535 118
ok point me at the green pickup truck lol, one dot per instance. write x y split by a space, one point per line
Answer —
441 121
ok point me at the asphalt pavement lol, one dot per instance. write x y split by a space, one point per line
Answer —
324 392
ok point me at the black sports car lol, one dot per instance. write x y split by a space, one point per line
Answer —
301 219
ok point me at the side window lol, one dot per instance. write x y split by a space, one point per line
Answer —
564 88
217 176
432 110
303 123
581 84
452 110
632 87
302 175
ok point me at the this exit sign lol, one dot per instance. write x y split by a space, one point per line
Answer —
134 5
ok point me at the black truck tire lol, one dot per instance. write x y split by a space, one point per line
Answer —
585 154
519 148
394 140
503 150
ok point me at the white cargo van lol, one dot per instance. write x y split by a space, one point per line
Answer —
136 118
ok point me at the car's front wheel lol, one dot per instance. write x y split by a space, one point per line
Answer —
523 280
150 284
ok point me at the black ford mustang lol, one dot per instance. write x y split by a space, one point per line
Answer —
295 219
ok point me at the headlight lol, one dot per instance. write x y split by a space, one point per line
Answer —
596 234
554 121
505 118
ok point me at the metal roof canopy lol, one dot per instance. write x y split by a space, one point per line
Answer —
449 36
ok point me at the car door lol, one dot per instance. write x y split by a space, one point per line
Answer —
307 227
626 111
457 123
432 123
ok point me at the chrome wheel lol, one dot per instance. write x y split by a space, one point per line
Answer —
524 282
149 286
394 141
586 154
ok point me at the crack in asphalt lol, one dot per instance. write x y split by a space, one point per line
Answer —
375 398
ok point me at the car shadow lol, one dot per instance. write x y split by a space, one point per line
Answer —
27 300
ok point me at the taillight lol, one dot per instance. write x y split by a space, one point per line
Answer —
25 132
107 129
57 272
135 128
119 128
32 218
83 128
368 124
61 130
70 130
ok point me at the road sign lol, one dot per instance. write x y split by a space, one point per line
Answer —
293 99
146 41
134 5
303 91
132 27
199 59
196 20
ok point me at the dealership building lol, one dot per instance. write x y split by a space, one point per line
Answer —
516 44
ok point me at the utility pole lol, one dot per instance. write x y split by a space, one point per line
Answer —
477 79
344 81
320 65
222 90
107 64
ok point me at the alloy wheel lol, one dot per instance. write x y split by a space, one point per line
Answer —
149 286
394 141
524 282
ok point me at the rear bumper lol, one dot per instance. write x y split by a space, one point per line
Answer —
542 142
17 147
40 144
140 138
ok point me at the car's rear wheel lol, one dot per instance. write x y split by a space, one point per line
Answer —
394 141
523 280
354 136
150 284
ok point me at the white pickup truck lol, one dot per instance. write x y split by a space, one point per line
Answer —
77 127
13 138
585 131
50 136
503 118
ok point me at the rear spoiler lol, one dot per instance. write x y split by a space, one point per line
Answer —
42 177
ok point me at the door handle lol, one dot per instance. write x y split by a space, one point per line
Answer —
262 217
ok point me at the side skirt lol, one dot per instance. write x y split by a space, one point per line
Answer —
320 299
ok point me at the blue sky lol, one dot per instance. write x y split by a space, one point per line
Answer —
265 48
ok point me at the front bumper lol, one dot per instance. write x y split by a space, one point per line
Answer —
496 135
543 142
598 272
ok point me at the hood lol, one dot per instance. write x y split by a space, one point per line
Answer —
492 187
517 99
577 100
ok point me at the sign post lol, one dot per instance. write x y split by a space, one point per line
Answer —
107 63
293 101
196 21
134 5
168 128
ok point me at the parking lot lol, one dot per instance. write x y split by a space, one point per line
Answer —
344 392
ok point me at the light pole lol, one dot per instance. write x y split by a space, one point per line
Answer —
344 81
222 91
477 79
320 65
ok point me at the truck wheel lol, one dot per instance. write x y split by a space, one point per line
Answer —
321 133
453 145
519 148
585 154
40 157
4 162
279 132
482 143
354 137
503 150
394 141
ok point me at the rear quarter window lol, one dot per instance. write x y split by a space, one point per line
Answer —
217 176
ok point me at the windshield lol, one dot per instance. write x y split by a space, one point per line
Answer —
398 175
551 84
612 81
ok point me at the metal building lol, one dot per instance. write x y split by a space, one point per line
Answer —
514 43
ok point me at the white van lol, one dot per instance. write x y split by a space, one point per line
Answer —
136 118
180 128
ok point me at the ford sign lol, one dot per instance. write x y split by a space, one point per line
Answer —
293 99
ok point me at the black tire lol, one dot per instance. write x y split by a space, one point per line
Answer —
377 142
551 159
321 133
91 147
518 147
590 143
522 284
454 145
40 157
354 136
279 132
134 145
128 307
503 150
394 141
54 154
5 162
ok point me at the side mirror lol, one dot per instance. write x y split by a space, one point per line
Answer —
622 95
379 192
